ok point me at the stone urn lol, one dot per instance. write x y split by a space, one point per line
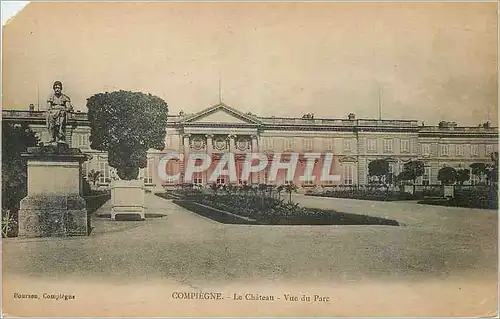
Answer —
127 200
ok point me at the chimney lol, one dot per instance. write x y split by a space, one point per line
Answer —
351 116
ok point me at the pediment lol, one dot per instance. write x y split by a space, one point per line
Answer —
221 114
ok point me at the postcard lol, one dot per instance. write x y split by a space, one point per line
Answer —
257 159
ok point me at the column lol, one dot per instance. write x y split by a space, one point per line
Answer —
232 149
186 149
255 178
231 138
210 149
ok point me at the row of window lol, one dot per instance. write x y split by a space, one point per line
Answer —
459 149
388 146
348 146
108 173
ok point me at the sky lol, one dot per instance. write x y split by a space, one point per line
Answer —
423 61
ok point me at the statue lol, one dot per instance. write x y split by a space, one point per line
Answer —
58 107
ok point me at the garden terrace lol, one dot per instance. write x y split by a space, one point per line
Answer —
265 208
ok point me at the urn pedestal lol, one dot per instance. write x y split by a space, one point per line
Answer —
408 189
127 200
448 191
54 205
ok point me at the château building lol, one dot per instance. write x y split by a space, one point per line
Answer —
354 142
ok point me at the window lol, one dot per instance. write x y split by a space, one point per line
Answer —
308 182
388 146
104 176
405 146
308 144
267 143
169 141
348 174
147 173
221 180
445 150
426 149
288 144
474 150
459 150
372 145
427 176
198 178
85 169
83 140
489 150
329 144
347 144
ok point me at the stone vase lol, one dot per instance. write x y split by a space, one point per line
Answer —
127 200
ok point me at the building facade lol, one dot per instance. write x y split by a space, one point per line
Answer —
353 142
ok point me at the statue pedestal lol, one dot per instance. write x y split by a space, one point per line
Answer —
127 200
53 206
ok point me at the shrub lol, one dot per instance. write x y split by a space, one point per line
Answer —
126 125
15 140
9 223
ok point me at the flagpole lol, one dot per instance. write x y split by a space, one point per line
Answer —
379 103
38 96
220 90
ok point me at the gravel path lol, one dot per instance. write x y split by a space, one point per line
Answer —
190 251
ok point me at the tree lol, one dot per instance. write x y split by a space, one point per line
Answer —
378 168
411 171
93 176
479 169
126 125
463 175
279 189
290 188
415 169
405 176
15 140
494 168
447 175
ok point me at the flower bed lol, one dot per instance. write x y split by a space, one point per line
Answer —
366 195
255 209
213 213
167 195
462 202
